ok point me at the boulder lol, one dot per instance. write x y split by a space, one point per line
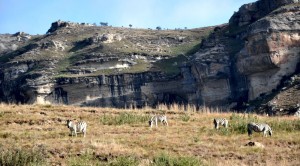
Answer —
255 144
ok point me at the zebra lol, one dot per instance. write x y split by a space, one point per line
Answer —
75 128
156 118
220 121
259 127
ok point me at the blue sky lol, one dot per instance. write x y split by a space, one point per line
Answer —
36 16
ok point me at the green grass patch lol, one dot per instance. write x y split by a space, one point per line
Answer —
84 159
165 159
124 161
238 124
22 156
141 66
123 118
284 125
170 66
186 49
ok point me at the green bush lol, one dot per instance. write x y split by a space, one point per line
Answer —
238 123
22 157
124 118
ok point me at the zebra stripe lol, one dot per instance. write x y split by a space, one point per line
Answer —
220 121
75 128
156 118
259 127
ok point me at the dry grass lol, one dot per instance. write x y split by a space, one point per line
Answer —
189 140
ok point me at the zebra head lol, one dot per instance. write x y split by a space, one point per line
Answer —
270 132
69 123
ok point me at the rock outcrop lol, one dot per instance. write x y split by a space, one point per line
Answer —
245 61
272 50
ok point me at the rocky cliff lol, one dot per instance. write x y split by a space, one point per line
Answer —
231 65
252 56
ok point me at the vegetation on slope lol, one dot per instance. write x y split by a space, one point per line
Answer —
77 46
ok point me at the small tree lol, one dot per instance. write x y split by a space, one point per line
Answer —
103 23
130 25
158 28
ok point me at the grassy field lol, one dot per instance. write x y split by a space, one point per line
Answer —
37 135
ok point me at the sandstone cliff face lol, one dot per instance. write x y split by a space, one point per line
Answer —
122 90
272 50
86 65
251 56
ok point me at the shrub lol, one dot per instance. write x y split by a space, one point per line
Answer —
238 123
185 117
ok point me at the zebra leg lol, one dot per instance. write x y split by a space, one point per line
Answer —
215 123
265 132
226 124
156 122
249 132
75 131
166 122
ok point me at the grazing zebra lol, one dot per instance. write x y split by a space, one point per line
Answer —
156 118
220 121
259 127
75 128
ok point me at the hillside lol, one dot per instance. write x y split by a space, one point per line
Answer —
242 65
76 49
85 52
38 135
